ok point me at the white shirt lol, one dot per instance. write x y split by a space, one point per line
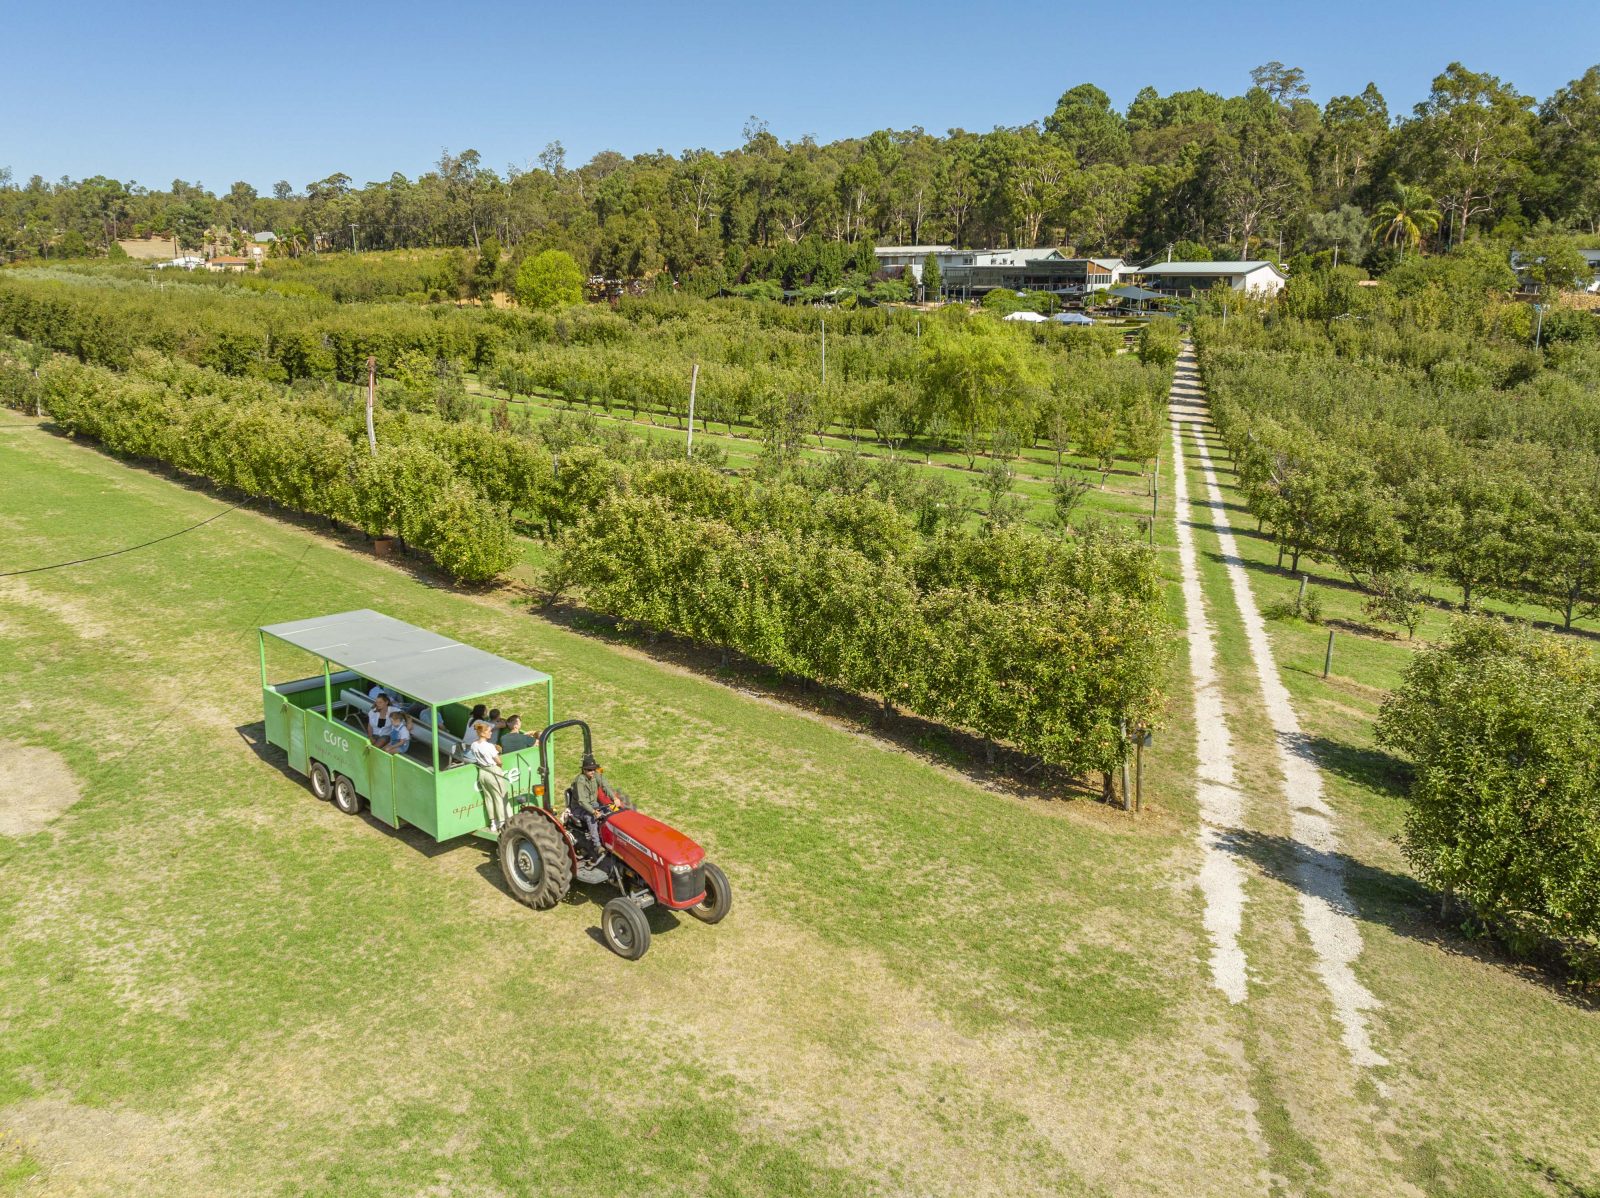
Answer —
483 752
377 723
400 735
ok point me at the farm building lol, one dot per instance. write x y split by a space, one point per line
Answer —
1186 278
913 256
976 272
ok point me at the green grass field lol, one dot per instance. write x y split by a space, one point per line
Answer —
932 982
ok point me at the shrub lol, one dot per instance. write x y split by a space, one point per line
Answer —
1503 727
549 280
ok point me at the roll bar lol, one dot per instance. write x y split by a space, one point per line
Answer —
544 754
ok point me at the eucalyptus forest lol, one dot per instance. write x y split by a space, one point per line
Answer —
1268 169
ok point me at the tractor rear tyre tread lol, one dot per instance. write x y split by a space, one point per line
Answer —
625 928
534 861
719 898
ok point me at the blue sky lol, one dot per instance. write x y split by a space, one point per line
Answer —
298 91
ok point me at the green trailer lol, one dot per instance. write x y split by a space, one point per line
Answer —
320 721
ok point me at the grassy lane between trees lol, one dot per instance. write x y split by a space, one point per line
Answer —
1478 1045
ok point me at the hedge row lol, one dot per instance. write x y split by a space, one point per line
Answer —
1047 644
270 448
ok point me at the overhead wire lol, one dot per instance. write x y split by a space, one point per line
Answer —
118 552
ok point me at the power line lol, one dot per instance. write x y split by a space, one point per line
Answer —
119 552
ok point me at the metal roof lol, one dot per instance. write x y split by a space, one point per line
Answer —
1073 318
1129 291
417 663
1204 268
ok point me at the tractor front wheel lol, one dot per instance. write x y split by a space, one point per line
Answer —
718 900
625 928
321 781
534 860
345 797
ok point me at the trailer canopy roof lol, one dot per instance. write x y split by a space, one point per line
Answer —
412 660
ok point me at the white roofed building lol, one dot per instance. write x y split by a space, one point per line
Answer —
1186 278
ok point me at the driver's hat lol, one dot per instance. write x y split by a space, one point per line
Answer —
589 763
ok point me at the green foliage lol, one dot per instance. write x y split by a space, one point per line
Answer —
1041 643
1002 302
1396 598
1419 431
549 280
932 280
1503 727
979 375
248 438
1159 342
1552 262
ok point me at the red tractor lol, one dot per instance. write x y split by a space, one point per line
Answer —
541 850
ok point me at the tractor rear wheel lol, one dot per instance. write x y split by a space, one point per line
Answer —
534 860
321 781
345 797
718 900
625 928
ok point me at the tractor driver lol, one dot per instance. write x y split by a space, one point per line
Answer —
590 798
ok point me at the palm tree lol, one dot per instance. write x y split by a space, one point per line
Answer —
1406 219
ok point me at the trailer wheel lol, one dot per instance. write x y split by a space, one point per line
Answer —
534 861
345 797
625 928
718 900
321 781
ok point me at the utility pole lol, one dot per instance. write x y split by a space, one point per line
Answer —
372 392
353 227
694 378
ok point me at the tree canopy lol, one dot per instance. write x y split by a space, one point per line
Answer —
1233 174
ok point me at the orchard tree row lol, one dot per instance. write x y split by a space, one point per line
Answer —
1421 432
954 379
1051 643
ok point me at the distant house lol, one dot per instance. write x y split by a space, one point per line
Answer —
150 249
182 262
260 245
1040 269
1026 268
228 262
1186 278
1520 265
